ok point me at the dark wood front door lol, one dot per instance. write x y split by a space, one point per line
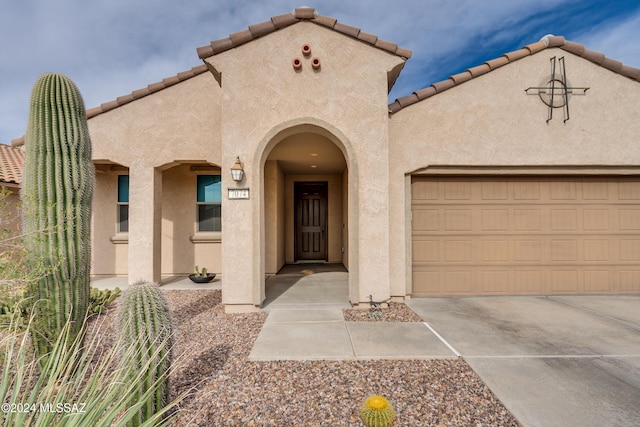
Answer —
311 220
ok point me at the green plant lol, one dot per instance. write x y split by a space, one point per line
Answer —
81 384
14 307
376 411
200 274
57 192
101 298
144 322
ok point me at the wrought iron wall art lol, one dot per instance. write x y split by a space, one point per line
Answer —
556 90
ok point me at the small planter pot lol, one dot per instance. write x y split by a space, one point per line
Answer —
209 277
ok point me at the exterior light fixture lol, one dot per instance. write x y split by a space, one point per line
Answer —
236 171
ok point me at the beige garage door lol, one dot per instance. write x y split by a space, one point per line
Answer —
525 235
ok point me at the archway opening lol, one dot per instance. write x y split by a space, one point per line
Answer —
306 195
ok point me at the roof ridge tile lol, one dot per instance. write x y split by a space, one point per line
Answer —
461 77
347 29
326 21
535 47
497 62
261 29
573 47
517 54
299 14
594 56
479 70
305 12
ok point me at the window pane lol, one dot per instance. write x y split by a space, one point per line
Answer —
209 189
123 188
209 218
123 218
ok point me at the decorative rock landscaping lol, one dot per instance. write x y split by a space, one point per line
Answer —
211 350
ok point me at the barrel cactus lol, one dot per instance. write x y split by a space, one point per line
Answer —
57 193
144 323
376 411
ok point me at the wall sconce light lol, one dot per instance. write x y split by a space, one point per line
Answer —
236 171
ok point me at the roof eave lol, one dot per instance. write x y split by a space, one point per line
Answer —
298 15
549 41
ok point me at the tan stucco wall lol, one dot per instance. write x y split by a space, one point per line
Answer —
490 122
274 217
178 124
264 100
182 246
345 218
110 251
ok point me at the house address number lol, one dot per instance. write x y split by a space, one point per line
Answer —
238 193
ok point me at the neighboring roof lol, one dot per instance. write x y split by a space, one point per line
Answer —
11 162
299 14
547 41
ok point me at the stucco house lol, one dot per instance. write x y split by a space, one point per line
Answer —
520 176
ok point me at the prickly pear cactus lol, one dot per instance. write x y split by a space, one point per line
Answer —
376 411
144 323
57 193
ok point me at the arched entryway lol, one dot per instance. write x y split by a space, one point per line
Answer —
305 215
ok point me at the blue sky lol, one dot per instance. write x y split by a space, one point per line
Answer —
112 47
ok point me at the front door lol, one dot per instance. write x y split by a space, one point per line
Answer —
311 220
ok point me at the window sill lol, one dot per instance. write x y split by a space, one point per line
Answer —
120 239
207 237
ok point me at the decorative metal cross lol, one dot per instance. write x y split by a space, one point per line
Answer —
556 92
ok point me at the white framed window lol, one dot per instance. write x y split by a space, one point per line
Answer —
208 203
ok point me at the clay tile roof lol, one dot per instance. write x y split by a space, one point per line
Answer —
299 14
141 93
488 66
11 162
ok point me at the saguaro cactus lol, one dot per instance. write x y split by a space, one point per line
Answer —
144 322
57 192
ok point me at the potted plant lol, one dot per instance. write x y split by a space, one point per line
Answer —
201 276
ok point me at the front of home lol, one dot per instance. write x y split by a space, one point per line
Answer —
510 178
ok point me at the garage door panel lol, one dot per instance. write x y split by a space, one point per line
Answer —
495 219
597 281
496 281
630 281
525 235
629 219
630 250
529 281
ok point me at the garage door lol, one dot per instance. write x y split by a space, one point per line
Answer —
525 235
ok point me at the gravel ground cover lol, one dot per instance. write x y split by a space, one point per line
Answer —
395 312
229 390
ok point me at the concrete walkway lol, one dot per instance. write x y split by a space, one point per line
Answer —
305 322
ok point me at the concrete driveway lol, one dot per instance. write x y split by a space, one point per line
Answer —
553 361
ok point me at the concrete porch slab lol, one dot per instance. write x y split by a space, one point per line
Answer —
309 315
170 282
395 340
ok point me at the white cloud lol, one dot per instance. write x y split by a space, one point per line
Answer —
618 41
112 48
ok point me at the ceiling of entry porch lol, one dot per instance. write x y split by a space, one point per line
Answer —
308 154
